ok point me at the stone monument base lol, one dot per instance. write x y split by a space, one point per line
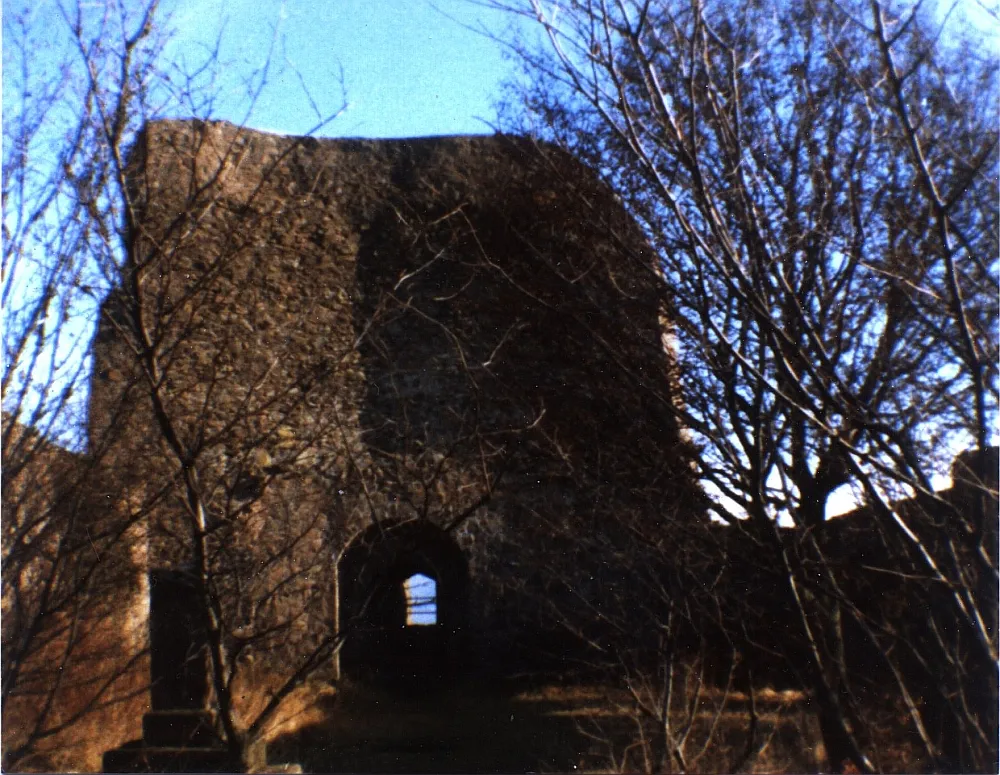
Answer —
185 741
174 741
178 734
142 759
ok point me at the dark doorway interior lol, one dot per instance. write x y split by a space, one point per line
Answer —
404 590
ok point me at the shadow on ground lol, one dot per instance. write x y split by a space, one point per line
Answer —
527 726
468 728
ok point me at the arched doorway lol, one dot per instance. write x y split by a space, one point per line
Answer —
404 590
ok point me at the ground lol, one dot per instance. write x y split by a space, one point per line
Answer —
517 727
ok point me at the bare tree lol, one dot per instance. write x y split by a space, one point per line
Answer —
80 527
72 658
236 412
819 183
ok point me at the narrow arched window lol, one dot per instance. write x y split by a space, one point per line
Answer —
421 600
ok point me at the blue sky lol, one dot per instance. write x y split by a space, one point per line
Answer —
398 68
409 67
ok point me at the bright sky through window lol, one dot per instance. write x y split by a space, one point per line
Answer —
421 600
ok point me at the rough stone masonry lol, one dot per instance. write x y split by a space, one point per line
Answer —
441 356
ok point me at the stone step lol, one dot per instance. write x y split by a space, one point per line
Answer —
169 759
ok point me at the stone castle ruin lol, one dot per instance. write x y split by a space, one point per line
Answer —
401 412
401 375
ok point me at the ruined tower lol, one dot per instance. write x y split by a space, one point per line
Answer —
437 358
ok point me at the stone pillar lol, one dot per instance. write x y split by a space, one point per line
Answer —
177 643
178 734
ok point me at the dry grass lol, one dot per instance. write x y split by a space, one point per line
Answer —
576 728
485 728
581 728
620 739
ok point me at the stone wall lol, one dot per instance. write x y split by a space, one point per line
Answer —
73 610
464 331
